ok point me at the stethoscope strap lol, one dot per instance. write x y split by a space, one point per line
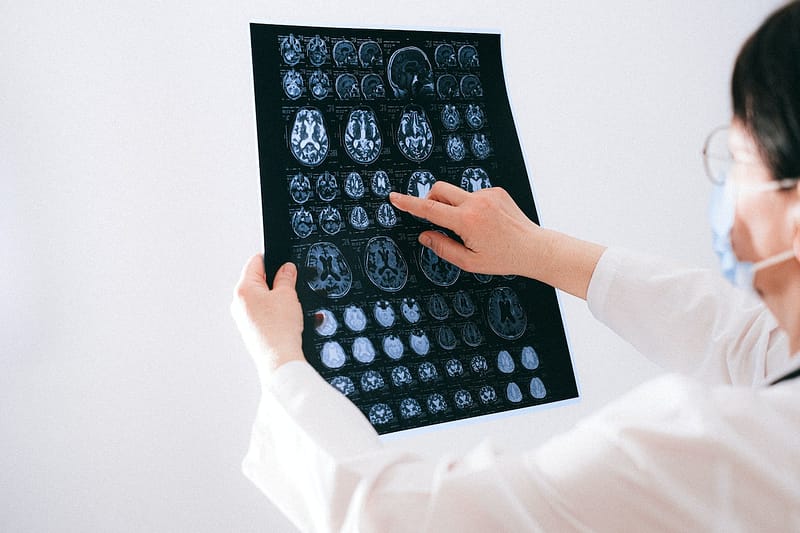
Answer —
791 375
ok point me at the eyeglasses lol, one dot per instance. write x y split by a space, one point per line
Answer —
719 162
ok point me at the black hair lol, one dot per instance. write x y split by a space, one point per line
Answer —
766 90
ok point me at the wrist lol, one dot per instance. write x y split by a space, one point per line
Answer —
270 367
535 249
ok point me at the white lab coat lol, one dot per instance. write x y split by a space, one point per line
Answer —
709 449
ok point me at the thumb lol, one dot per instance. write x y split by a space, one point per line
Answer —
285 276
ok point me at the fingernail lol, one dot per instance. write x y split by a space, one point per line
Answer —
425 240
289 269
393 196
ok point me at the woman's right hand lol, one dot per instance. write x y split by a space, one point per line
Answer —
499 239
496 233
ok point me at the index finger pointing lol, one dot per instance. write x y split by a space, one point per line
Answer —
439 213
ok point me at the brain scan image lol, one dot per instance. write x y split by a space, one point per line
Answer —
354 186
410 73
393 346
358 218
427 372
344 54
471 86
480 146
478 364
420 183
332 355
401 376
487 394
371 380
327 324
505 314
403 333
386 215
414 135
437 270
454 368
372 87
354 318
309 137
505 363
468 56
471 334
383 313
330 220
291 50
482 278
446 338
537 389
475 116
300 188
370 54
362 138
513 393
293 84
327 186
445 56
363 350
447 86
347 87
380 184
455 148
451 118
380 414
436 404
410 310
317 51
344 385
509 276
384 264
302 223
475 179
410 408
462 399
419 342
463 304
437 307
327 270
319 84
529 358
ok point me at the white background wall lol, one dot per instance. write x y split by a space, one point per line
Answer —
130 199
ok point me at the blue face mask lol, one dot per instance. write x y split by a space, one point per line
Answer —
722 210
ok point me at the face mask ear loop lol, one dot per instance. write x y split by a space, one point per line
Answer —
774 260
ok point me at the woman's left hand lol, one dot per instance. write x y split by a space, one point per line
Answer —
269 320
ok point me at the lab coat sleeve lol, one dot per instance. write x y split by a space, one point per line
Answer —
686 319
670 456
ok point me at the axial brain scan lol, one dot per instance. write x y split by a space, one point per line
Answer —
346 116
362 137
414 134
309 137
385 265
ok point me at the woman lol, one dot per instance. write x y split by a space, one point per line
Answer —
718 450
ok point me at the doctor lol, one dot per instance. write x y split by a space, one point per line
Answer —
713 446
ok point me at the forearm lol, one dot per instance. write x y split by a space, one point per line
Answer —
560 260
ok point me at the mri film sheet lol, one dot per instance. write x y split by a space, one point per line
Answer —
344 117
